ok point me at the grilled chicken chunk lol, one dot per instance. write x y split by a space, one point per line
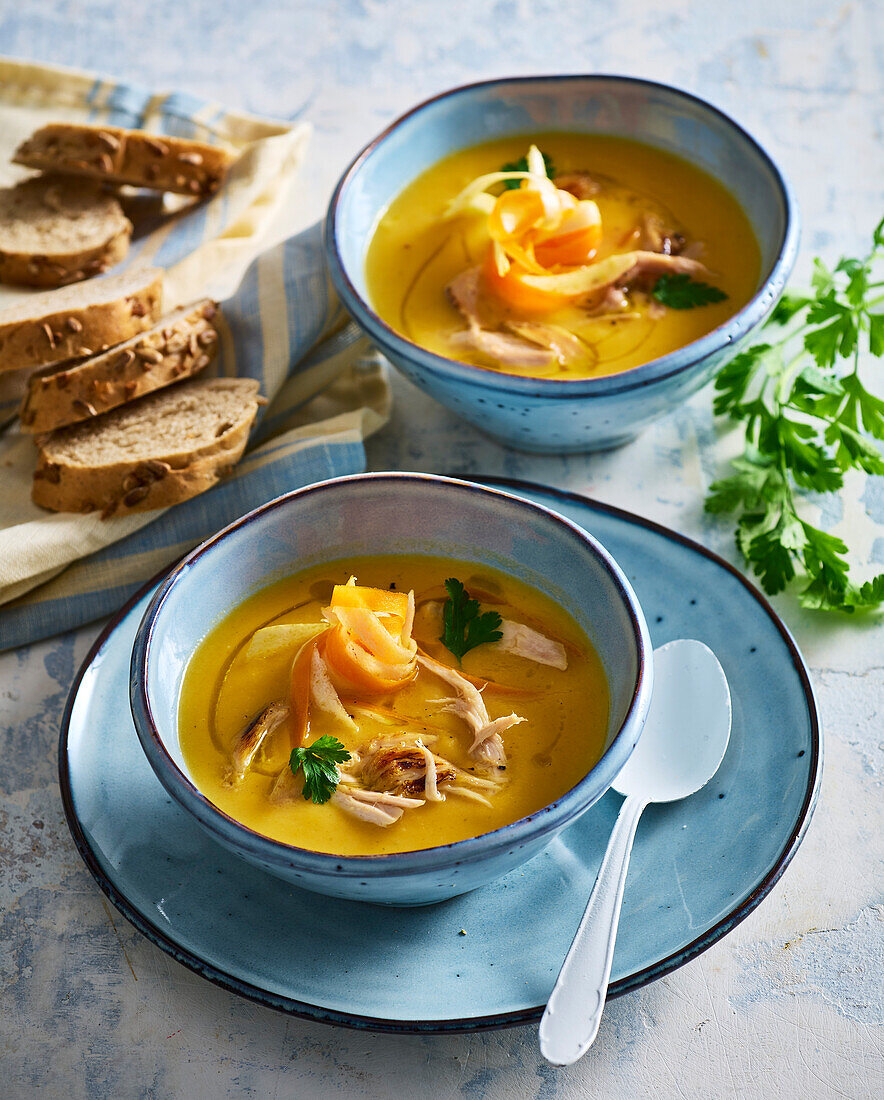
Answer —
251 739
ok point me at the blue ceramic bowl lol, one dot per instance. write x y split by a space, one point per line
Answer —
536 414
376 514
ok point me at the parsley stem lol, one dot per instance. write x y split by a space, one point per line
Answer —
787 378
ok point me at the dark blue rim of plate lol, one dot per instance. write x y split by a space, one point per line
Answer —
554 816
307 1011
753 313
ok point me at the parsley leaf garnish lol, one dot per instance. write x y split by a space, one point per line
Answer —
318 762
807 419
521 165
464 627
681 292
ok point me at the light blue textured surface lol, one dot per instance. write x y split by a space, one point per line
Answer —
781 1007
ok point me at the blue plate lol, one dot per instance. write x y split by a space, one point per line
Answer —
698 867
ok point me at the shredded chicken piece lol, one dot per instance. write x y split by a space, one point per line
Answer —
391 764
612 301
375 813
580 184
523 641
656 263
473 796
323 692
389 719
475 780
508 351
384 798
567 348
286 788
251 739
487 746
463 293
655 235
431 788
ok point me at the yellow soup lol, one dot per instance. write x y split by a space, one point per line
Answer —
541 690
606 197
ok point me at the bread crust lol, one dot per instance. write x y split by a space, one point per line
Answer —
54 333
120 488
48 206
177 348
127 156
23 269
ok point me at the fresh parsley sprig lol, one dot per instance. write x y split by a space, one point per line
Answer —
319 761
464 627
808 419
681 292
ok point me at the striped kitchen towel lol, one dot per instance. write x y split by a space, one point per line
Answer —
280 323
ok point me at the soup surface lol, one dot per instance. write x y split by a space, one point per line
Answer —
476 273
450 750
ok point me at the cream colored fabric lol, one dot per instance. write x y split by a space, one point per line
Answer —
280 321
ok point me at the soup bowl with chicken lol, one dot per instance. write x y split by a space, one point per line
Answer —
561 260
391 687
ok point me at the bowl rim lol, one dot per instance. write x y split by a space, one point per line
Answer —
552 817
666 366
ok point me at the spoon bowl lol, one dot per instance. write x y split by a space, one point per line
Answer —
688 726
680 748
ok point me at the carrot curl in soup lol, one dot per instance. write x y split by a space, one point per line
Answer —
586 256
389 704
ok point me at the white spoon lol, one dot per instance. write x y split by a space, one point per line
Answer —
680 749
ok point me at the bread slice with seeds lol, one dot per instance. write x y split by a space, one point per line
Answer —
127 156
160 450
180 346
55 231
79 320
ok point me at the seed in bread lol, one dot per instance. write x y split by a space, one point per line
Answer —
127 156
78 320
157 451
179 346
56 230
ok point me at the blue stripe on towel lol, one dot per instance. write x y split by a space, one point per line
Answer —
244 322
127 105
304 272
176 531
187 235
179 110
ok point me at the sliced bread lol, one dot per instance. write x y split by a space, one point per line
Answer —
181 345
127 156
162 449
80 320
55 230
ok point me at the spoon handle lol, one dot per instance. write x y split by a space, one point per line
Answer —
571 1020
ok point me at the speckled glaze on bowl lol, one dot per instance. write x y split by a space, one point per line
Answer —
376 514
536 414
